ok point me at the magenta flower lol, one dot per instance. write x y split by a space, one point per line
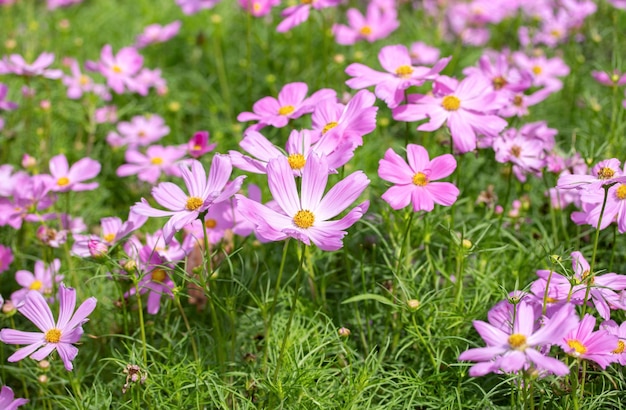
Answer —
6 258
8 400
614 210
155 280
142 130
612 80
400 74
42 281
604 172
15 64
148 166
422 53
203 193
70 179
155 33
199 145
58 336
467 108
413 181
4 104
515 349
582 342
258 8
306 216
375 25
120 69
112 231
291 104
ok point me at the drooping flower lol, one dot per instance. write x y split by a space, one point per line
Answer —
68 178
141 130
413 181
306 216
112 230
193 6
258 8
59 335
298 14
203 193
515 348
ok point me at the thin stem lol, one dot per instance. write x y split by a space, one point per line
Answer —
405 240
142 327
194 347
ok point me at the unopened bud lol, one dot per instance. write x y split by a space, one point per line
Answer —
413 304
344 332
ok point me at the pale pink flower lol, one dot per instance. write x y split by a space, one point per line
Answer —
7 398
258 8
298 14
149 166
155 33
375 25
16 64
193 6
68 178
42 281
583 343
142 130
120 69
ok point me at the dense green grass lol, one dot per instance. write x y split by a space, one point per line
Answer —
400 354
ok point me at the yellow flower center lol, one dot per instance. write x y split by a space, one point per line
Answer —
499 82
420 179
141 134
329 127
605 173
110 237
537 70
551 300
620 347
256 6
517 341
518 100
286 110
84 80
556 33
53 335
621 192
306 1
156 161
210 223
404 71
63 181
158 275
615 78
36 285
516 151
117 69
365 30
193 203
304 219
296 161
578 347
451 103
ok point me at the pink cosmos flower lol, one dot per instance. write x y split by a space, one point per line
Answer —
79 83
413 181
514 349
298 14
527 154
120 69
217 221
58 336
16 64
55 4
612 80
42 281
467 107
155 33
32 197
112 231
614 210
619 353
199 145
258 8
4 104
142 130
375 25
422 53
604 172
106 114
544 71
306 216
155 279
148 166
193 6
400 74
203 193
6 258
147 79
291 103
70 179
582 342
8 400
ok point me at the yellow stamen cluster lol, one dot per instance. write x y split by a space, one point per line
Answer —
516 151
404 71
537 70
63 181
420 179
620 193
110 237
210 223
117 69
517 341
156 161
499 82
329 127
84 80
296 161
193 203
605 173
36 285
620 347
365 30
451 103
304 219
158 275
286 110
578 347
53 336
